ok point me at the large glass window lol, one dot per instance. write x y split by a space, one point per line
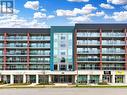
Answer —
63 48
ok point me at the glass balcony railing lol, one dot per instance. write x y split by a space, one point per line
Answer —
16 61
89 68
103 68
113 59
47 53
26 38
40 46
97 59
115 51
2 38
113 34
17 38
87 52
17 45
113 43
40 38
88 34
10 53
88 59
19 68
88 43
44 61
1 45
40 68
113 68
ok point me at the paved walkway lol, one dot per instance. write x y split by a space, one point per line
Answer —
64 91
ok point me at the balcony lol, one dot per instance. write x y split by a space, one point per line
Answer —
16 46
1 38
113 68
8 62
32 61
113 43
88 52
40 68
40 38
113 35
103 68
40 54
16 68
113 52
113 60
17 53
92 60
89 68
1 45
17 38
44 62
88 43
88 34
39 45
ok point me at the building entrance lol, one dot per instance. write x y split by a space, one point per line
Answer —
119 78
107 78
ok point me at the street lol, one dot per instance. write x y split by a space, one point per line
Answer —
64 91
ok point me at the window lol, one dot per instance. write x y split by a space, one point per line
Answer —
63 59
63 45
62 53
62 37
55 67
62 67
70 67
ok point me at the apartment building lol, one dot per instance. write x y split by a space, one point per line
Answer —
84 53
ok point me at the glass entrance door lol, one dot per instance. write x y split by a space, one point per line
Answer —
62 79
107 78
119 78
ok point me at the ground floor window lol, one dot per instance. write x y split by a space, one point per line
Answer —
94 79
63 79
82 78
18 78
43 79
5 78
31 78
119 78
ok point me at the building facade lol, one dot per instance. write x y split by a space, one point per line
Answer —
84 53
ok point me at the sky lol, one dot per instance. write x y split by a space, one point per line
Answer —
46 13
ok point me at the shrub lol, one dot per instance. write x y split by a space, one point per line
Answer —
103 83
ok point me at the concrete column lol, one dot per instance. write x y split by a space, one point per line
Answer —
0 77
11 79
37 78
88 78
125 80
76 78
113 79
24 78
100 78
50 79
